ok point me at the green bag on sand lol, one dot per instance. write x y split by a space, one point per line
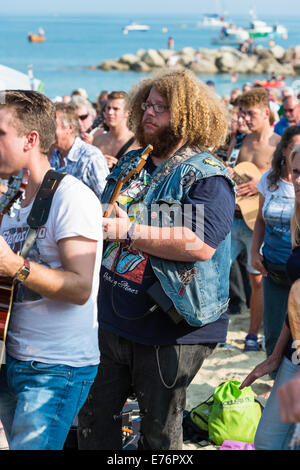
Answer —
195 422
234 414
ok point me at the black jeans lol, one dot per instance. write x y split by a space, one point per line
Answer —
159 377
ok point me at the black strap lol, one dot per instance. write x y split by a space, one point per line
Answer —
41 207
124 148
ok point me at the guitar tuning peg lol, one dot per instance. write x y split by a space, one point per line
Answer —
11 213
17 205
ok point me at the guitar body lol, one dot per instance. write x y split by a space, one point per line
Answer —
15 190
248 204
6 299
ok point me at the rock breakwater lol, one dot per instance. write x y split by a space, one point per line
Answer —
272 61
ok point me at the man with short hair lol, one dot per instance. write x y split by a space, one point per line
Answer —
119 139
258 148
52 349
291 108
73 155
164 292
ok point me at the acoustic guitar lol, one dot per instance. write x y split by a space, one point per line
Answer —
248 204
8 201
294 321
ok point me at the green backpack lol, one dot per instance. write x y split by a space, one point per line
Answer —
228 414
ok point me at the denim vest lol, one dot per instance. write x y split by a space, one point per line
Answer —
199 289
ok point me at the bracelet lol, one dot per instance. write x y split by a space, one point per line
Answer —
128 240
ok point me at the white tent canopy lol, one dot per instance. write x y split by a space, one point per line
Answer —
14 80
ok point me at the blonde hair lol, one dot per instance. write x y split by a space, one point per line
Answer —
255 97
197 114
295 221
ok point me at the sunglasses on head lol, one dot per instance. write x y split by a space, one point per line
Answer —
83 117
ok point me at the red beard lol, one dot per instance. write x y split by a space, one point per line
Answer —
162 139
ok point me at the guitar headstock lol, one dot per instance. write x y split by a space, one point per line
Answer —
15 191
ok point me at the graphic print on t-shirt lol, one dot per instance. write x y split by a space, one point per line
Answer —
120 258
125 261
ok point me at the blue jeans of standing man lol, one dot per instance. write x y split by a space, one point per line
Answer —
47 397
275 298
241 237
158 375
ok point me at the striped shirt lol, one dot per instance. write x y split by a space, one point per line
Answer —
86 162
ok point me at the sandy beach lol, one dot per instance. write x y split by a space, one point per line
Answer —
227 363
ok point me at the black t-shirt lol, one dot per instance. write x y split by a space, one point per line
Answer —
126 274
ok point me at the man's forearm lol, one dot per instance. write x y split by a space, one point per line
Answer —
64 286
176 243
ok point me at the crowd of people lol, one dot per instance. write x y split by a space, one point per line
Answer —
125 289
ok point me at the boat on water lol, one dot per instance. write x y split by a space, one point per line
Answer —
272 83
231 35
260 29
134 26
37 37
213 21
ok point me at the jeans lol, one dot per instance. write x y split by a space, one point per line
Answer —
239 287
241 237
159 377
271 433
47 398
275 298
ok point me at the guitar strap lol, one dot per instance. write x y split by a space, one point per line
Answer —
124 148
41 207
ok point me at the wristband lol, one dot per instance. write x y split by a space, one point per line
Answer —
128 240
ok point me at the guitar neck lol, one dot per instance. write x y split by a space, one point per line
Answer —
125 179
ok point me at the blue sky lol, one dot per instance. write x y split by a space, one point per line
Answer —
280 7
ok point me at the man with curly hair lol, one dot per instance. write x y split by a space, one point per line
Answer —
165 269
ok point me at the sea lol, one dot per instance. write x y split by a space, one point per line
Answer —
76 42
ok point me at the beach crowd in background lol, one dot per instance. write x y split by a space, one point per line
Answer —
239 156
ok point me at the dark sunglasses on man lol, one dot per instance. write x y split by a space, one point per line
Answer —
83 117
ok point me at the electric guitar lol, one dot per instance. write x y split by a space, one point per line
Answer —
248 204
129 172
294 321
8 201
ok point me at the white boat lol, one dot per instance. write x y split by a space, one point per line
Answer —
134 26
231 35
260 29
213 21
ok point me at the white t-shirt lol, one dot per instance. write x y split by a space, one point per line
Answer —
277 211
285 190
46 330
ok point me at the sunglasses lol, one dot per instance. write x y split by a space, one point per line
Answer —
288 110
83 117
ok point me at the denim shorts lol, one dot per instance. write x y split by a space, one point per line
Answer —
241 237
44 401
